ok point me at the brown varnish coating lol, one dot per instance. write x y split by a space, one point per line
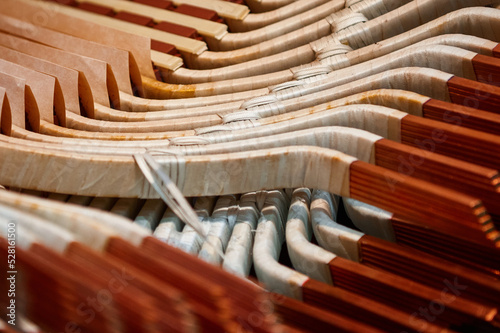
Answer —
460 115
134 18
62 287
496 51
465 177
134 310
96 9
209 300
474 94
164 47
447 245
422 202
309 318
175 312
404 294
429 270
371 312
454 141
246 299
199 12
178 30
163 4
487 69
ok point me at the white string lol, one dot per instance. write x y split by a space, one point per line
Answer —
286 85
304 73
188 141
240 115
258 101
171 194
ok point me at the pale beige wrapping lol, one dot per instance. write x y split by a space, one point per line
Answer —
269 240
480 22
68 79
243 39
5 112
436 86
406 101
118 59
269 5
275 277
224 9
220 230
150 214
350 141
403 100
445 58
205 28
331 235
21 133
55 130
208 88
285 42
377 119
94 71
472 43
24 237
449 24
118 176
423 81
306 257
313 98
374 8
317 92
49 17
238 256
183 44
347 140
14 88
168 230
41 85
387 125
402 19
90 226
31 229
345 19
165 61
371 220
181 124
133 103
306 170
241 76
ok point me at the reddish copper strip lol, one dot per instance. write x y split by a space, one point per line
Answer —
474 94
462 116
447 245
487 69
311 318
465 177
425 203
429 270
454 141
